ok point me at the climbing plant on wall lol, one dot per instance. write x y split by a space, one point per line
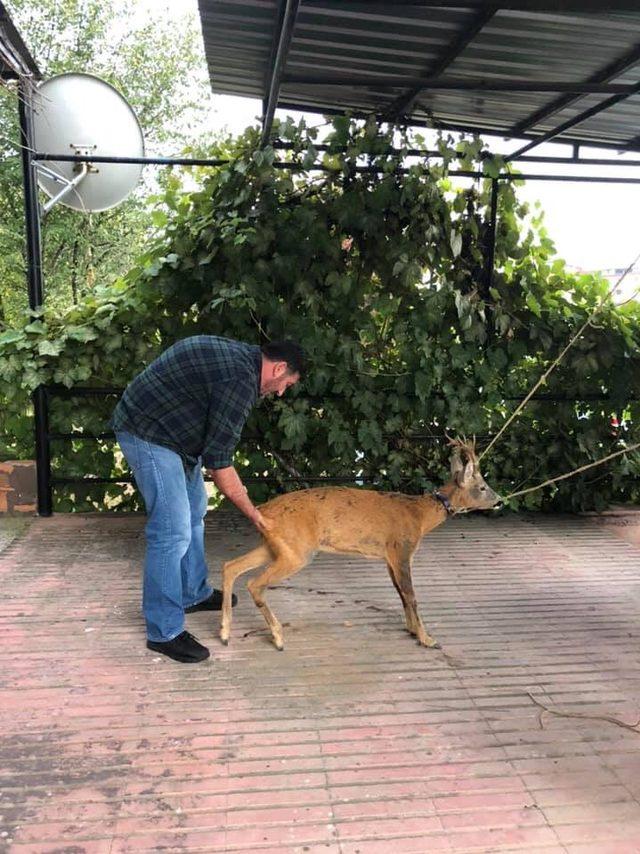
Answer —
375 264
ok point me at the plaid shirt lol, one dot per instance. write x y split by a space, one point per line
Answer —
194 399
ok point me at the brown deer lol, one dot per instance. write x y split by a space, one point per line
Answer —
387 525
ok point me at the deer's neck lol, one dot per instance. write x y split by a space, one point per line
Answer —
434 510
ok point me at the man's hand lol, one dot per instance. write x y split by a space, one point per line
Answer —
228 482
261 522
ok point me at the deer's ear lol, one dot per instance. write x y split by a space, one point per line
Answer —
467 474
462 469
457 465
463 464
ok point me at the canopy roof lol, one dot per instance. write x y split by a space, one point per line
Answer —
15 59
533 70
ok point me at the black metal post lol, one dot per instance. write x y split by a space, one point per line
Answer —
36 290
272 94
490 246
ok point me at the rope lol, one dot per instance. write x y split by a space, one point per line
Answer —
560 714
543 378
575 471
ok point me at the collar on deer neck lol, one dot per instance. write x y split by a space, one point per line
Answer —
445 502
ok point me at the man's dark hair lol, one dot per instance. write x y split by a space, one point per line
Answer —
286 351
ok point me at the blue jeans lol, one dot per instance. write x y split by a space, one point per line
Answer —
175 570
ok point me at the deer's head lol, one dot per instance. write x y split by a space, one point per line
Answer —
468 490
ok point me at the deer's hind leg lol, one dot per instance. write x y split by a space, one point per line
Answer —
286 563
230 571
408 614
399 566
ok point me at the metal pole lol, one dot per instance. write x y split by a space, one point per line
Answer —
273 92
490 253
490 247
36 290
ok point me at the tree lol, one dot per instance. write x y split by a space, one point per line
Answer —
159 68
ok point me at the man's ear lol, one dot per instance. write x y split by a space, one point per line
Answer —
280 369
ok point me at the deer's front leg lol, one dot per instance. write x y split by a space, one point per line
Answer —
399 557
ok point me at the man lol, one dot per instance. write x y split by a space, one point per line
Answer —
185 410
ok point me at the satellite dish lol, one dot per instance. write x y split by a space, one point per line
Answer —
81 114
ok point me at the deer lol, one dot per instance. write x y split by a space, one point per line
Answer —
347 520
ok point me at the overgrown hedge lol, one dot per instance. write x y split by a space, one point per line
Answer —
380 275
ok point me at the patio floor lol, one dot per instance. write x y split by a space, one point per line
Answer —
353 740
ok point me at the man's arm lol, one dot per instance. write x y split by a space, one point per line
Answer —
228 482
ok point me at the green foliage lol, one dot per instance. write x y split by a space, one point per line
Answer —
379 275
168 98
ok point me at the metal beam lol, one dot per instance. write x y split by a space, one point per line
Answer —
359 113
279 145
575 179
404 101
272 87
460 84
534 158
562 6
576 120
609 72
275 41
490 245
321 167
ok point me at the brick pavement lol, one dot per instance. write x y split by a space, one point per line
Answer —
354 740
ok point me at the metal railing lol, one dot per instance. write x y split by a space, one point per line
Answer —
48 480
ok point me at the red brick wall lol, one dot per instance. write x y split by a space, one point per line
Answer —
18 486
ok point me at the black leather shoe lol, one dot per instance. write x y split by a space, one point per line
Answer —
213 603
183 648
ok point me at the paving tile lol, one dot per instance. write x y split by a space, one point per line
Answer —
354 740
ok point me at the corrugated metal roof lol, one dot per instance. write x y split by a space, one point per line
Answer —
475 43
15 59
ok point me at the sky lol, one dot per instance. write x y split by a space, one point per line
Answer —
594 226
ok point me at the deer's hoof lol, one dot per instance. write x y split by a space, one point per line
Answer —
224 641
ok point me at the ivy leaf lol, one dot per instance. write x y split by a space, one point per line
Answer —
50 348
310 157
492 166
81 333
423 385
37 327
159 218
533 304
456 243
11 336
